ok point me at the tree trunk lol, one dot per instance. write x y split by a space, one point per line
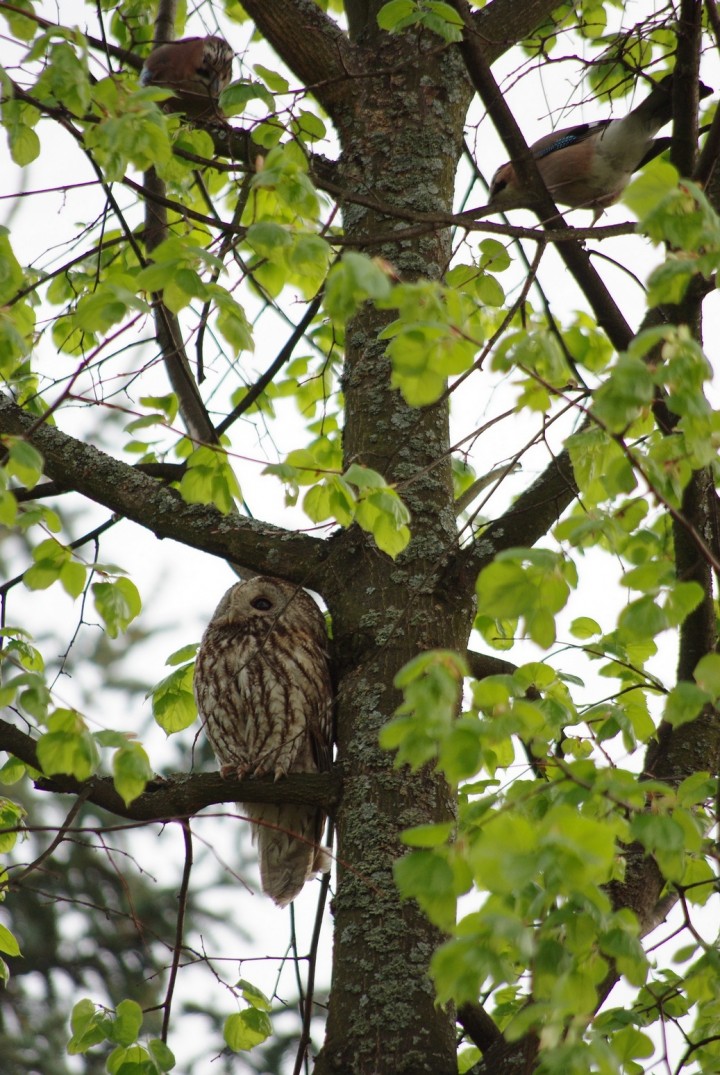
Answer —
402 138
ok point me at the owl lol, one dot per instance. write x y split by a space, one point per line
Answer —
197 69
263 691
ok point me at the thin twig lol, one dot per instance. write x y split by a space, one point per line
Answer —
182 907
304 1041
284 356
61 834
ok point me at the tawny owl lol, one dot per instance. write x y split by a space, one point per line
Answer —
197 68
263 690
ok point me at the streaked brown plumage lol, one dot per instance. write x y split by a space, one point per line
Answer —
264 694
197 69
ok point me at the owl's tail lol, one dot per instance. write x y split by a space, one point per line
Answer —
288 847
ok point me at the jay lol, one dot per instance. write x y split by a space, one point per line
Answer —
589 166
197 69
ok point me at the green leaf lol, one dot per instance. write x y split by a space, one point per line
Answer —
437 334
629 1044
461 753
467 1059
353 281
534 584
697 788
254 996
707 675
309 127
364 478
246 1029
50 557
585 627
127 1023
173 700
11 273
232 321
109 738
167 405
129 1060
90 1026
24 462
392 15
162 1056
642 619
8 944
267 238
118 603
235 98
12 771
427 835
272 79
67 747
431 684
209 479
625 395
330 499
23 141
384 515
131 771
507 837
428 878
185 653
657 833
684 703
72 577
650 187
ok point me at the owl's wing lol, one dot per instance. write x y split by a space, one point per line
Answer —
320 729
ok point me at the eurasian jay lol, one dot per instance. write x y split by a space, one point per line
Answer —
589 166
197 69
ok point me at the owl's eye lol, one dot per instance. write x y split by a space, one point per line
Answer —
262 604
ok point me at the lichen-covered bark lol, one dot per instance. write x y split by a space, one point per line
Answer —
128 492
402 137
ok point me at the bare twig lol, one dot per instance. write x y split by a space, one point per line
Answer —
179 928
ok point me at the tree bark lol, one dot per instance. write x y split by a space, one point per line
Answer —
401 132
399 113
123 489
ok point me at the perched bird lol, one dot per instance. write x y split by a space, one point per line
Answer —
589 166
264 694
196 69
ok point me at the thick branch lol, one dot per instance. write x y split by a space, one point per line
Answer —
503 23
165 21
686 83
485 664
182 794
479 1026
529 518
707 161
275 366
309 42
167 326
576 259
264 548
